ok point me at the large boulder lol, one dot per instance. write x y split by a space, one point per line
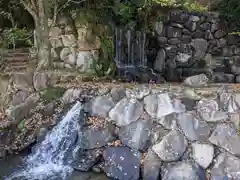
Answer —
151 166
225 166
100 106
126 111
193 128
184 171
22 110
40 80
121 163
208 109
226 137
136 135
171 147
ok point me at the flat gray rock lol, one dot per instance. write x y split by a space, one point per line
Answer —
193 128
91 138
126 111
151 166
184 171
158 105
226 165
208 109
227 138
203 154
171 147
100 106
121 163
136 135
200 80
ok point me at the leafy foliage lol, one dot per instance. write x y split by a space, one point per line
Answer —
14 36
104 66
230 11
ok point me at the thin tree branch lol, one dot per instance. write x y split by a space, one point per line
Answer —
29 9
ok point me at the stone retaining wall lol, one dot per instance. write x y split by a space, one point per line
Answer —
186 44
168 135
141 131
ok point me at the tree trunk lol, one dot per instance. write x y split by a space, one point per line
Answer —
40 16
44 49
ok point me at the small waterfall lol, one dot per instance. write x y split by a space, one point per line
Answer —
52 157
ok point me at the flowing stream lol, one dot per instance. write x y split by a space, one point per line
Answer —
50 159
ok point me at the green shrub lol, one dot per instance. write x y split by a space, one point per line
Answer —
230 11
16 37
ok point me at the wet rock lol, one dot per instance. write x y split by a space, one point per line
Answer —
138 93
203 154
100 106
197 80
85 160
193 128
92 138
126 111
136 135
117 94
226 166
169 121
184 171
208 109
227 138
71 95
171 147
22 110
159 62
158 105
40 80
151 166
122 163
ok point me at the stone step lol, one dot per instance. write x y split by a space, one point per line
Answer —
14 69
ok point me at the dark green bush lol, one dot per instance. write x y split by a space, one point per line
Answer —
230 11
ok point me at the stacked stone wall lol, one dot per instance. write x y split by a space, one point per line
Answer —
191 43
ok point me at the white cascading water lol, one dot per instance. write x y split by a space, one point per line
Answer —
49 160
